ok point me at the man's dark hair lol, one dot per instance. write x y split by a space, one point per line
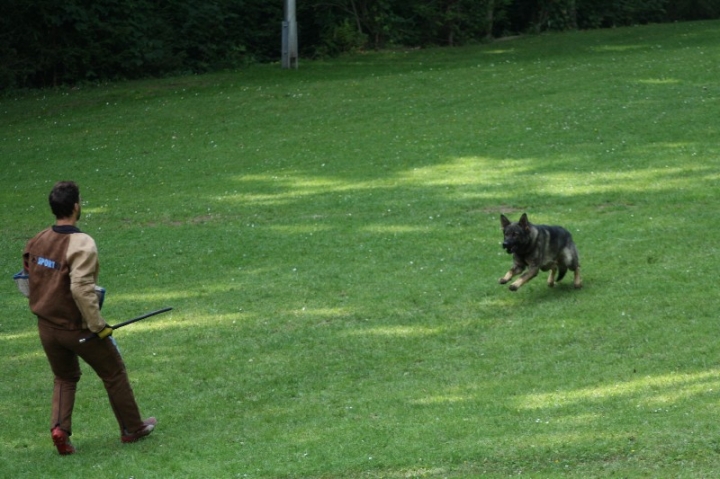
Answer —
63 197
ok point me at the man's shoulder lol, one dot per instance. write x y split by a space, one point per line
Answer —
82 241
40 235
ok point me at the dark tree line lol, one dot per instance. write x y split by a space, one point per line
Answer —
56 42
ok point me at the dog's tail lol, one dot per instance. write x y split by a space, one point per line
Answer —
562 269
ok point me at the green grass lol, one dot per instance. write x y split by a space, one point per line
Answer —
329 239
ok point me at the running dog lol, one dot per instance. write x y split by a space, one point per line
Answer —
536 248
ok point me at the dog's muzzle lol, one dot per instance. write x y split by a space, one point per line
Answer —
507 246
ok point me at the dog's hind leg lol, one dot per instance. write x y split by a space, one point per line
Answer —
551 277
577 281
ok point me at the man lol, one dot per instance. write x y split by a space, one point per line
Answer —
62 263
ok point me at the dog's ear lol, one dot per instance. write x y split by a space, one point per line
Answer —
504 222
524 221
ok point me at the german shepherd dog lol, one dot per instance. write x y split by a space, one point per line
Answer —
539 247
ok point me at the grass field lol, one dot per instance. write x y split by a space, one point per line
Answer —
329 239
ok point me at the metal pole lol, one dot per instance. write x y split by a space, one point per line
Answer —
289 37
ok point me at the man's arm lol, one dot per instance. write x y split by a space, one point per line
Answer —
82 257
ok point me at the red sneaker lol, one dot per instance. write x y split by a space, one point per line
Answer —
62 442
145 430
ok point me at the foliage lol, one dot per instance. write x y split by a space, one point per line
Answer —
453 22
613 13
53 42
693 10
342 38
329 240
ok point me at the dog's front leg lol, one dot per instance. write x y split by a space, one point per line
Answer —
530 274
514 271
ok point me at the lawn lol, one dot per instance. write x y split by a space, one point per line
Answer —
329 239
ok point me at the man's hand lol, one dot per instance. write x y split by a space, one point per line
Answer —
106 331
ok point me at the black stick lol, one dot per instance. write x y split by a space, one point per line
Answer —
129 321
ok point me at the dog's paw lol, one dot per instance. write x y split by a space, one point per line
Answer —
514 287
502 281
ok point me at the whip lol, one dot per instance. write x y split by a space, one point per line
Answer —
129 321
